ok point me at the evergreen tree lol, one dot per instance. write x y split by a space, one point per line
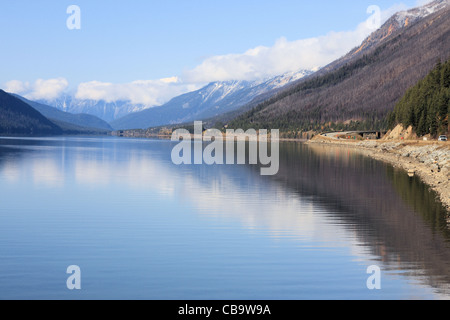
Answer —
422 125
446 76
425 107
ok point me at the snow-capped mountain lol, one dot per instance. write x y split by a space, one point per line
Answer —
224 93
107 111
366 84
214 99
221 96
404 18
394 25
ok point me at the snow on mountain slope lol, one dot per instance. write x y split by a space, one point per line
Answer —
404 18
215 95
214 99
107 111
366 84
219 91
399 21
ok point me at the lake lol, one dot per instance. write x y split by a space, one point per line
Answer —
140 227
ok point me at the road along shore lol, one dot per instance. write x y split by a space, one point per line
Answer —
428 160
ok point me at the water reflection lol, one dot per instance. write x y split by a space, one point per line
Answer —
324 200
396 217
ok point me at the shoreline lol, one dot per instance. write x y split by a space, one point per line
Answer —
428 160
194 137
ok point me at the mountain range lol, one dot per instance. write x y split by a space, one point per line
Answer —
19 116
107 111
358 90
56 115
214 99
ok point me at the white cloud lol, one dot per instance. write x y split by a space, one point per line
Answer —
40 89
420 3
284 56
147 92
48 89
16 86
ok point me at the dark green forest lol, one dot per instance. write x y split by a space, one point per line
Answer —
426 106
16 117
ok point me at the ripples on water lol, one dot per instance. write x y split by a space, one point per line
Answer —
140 227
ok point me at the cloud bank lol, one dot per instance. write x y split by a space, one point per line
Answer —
39 90
147 92
286 56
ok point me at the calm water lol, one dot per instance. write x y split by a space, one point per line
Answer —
142 228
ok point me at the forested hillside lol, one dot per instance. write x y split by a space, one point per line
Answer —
426 106
83 122
361 93
16 117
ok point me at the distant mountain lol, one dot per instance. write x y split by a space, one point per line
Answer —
214 99
362 87
79 121
17 117
107 111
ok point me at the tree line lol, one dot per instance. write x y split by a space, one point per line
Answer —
426 106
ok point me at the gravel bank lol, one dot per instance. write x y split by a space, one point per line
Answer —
429 160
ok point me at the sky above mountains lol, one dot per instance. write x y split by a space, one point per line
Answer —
150 51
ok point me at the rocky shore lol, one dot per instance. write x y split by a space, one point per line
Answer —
429 160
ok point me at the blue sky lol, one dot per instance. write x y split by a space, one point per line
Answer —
121 42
